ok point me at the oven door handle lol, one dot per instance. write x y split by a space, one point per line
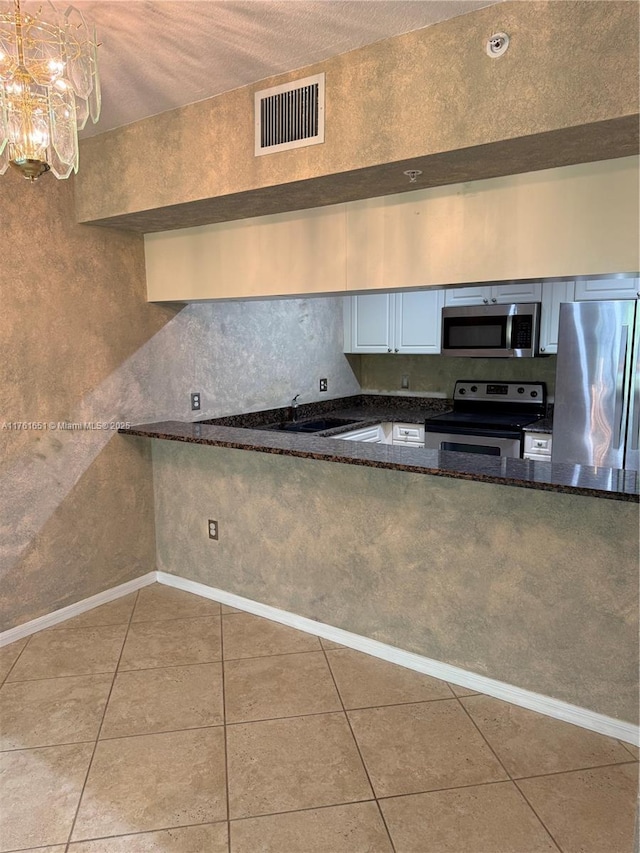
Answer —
484 433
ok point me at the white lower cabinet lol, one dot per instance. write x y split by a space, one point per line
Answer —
374 435
537 445
409 435
394 322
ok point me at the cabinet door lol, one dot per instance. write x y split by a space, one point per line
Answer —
372 434
607 288
516 292
467 296
369 321
554 293
418 322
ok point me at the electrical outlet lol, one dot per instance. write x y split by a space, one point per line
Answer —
213 529
323 384
405 381
195 401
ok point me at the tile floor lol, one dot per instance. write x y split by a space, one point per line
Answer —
165 722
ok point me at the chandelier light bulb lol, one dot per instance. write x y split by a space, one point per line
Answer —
49 86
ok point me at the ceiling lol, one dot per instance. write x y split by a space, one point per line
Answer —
157 55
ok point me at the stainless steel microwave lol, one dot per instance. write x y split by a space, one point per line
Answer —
492 331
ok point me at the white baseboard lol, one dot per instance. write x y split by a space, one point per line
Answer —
76 609
555 708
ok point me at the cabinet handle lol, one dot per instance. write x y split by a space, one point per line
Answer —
494 300
389 350
485 301
542 349
396 349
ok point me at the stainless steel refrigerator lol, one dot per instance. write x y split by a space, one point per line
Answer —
597 396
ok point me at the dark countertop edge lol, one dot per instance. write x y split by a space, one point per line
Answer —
267 442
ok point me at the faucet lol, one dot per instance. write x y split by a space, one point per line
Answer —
294 409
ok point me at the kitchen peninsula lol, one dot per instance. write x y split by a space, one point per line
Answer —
533 586
246 432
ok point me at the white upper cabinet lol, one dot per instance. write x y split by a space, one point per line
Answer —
607 288
394 322
494 294
554 293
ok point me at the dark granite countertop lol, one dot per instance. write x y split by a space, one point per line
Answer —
543 425
235 432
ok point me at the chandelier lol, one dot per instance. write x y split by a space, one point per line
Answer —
49 86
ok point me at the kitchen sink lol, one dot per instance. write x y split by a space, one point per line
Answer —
317 425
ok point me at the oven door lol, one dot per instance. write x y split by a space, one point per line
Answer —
498 443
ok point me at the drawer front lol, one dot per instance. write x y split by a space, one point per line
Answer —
537 444
402 433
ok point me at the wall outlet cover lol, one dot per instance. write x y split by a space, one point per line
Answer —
195 401
324 384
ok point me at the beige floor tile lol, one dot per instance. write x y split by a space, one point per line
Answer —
116 612
422 747
532 744
158 781
482 819
155 700
365 681
462 691
158 601
248 636
587 811
211 838
298 763
9 655
70 651
40 793
52 711
279 686
173 642
632 749
356 828
226 608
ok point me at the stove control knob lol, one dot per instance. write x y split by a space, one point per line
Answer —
520 390
534 393
474 388
463 391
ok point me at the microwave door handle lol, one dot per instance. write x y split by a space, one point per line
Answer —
509 332
618 415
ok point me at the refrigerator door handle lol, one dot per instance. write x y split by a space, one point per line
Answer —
619 414
635 404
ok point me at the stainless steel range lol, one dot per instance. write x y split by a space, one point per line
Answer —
487 417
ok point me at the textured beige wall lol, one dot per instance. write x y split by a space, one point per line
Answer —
565 92
438 373
76 507
534 588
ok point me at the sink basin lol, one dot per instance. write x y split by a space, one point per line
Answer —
317 425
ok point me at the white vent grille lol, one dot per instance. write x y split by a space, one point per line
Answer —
290 116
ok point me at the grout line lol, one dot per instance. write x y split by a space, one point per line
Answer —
161 732
575 770
179 618
104 714
224 724
122 835
298 811
626 746
355 740
498 759
20 653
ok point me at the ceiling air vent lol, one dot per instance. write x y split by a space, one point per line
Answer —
290 116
